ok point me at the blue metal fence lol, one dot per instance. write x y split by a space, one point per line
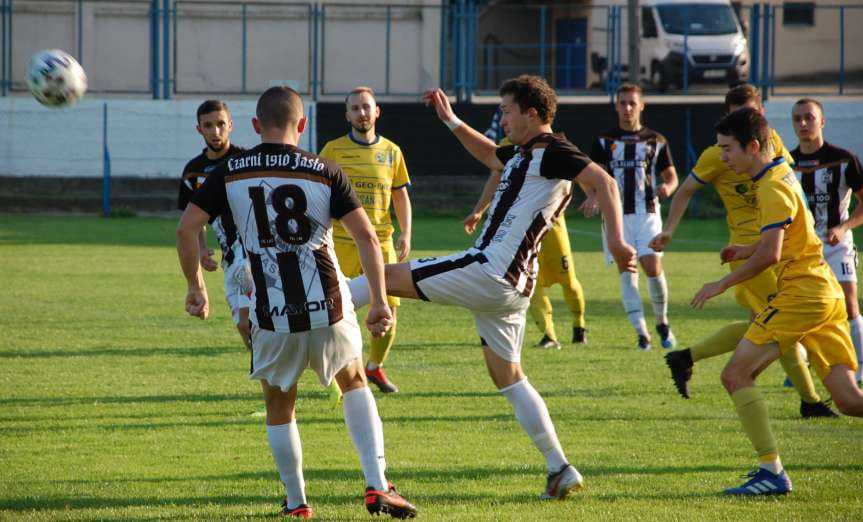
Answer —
479 44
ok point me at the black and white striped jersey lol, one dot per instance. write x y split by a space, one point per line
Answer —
635 160
194 174
828 177
283 200
534 189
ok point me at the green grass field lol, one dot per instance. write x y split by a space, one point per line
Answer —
114 405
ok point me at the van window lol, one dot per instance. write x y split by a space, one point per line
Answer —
648 24
702 19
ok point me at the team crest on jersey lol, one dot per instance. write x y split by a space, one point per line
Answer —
826 176
384 157
741 188
612 147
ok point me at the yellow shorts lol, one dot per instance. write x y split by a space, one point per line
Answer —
754 294
555 257
820 325
349 261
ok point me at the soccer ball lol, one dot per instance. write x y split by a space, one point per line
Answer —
56 79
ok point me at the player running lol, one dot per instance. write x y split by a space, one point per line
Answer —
828 175
738 197
376 168
495 278
809 306
636 157
215 125
284 199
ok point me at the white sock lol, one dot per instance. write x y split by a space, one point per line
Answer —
532 414
367 433
632 301
856 325
774 467
360 294
288 454
657 288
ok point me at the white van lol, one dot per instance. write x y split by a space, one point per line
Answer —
710 31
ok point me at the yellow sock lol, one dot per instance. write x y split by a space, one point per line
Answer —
574 297
722 341
379 347
752 411
799 375
541 313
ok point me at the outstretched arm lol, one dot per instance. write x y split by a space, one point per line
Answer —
679 204
476 143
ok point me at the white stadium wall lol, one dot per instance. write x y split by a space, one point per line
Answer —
146 138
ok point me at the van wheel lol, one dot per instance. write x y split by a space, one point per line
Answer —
657 77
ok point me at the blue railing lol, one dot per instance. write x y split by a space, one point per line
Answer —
474 54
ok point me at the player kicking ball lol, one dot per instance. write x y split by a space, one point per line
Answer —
808 308
496 277
284 200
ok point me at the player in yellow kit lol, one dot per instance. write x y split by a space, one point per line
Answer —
808 308
377 171
555 266
737 193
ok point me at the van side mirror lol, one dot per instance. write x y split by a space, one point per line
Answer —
648 24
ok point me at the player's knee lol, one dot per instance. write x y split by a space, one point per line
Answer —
851 404
731 378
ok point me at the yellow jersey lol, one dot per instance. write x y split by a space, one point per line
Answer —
735 190
374 169
801 270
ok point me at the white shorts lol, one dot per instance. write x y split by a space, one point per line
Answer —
638 230
842 258
460 279
238 286
280 358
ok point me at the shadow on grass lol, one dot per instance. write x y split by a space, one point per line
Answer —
186 351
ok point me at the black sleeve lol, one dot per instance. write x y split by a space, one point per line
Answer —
562 161
663 159
505 153
343 199
854 174
597 153
187 187
211 195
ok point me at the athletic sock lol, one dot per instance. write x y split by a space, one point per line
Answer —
752 410
371 365
573 294
288 453
541 312
798 373
722 341
360 294
532 414
632 302
367 434
771 463
379 347
856 325
657 288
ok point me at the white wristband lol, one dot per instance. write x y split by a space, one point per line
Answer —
453 123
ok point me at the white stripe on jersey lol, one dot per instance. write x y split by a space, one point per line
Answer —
288 250
642 162
533 203
823 179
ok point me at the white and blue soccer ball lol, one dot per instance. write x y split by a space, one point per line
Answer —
56 79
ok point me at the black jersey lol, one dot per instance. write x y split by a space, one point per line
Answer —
284 199
194 174
634 159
